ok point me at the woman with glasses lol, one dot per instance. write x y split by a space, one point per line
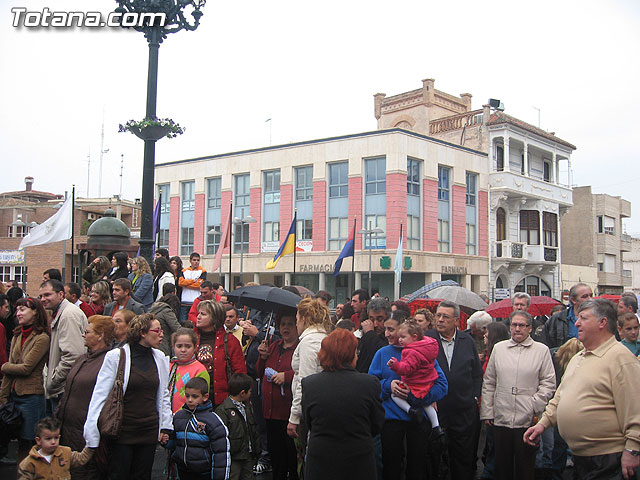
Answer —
22 381
517 385
146 376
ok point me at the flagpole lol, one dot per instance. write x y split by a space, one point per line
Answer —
353 257
157 239
64 249
229 289
73 232
295 241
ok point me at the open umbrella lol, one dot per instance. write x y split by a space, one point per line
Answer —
422 292
302 291
264 298
463 297
609 296
540 305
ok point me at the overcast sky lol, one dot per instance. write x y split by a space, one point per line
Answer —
313 67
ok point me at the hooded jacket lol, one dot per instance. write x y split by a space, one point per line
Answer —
201 442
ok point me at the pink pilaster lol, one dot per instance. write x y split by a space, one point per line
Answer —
483 224
396 209
199 223
430 215
174 225
355 208
319 235
255 229
224 214
458 220
286 210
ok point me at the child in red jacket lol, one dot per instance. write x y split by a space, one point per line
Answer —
417 372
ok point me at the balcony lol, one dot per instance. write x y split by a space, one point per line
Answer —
522 253
516 186
625 242
509 250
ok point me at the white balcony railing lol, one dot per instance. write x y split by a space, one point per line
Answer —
516 185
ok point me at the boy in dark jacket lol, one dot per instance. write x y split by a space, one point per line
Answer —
237 414
201 443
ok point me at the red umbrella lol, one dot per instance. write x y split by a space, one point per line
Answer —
608 296
540 305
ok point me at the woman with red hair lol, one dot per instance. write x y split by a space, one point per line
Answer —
341 407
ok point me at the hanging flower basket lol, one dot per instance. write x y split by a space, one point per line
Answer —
153 128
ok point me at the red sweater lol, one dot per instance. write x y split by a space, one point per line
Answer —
210 352
275 406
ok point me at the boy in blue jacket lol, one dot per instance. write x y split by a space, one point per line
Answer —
201 439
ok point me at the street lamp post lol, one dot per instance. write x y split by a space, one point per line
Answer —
242 222
370 231
174 21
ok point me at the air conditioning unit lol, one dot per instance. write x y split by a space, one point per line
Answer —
92 216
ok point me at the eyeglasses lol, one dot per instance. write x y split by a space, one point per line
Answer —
156 330
519 325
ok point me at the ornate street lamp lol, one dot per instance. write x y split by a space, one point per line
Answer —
175 19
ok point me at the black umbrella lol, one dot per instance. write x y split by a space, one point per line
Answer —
264 298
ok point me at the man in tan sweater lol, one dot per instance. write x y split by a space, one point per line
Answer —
595 406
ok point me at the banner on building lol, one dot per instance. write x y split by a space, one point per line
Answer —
11 257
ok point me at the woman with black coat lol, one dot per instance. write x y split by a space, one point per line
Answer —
119 261
341 407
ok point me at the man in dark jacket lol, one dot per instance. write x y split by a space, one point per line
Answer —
562 326
122 299
458 411
373 339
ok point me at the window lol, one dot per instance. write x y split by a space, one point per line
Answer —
304 183
607 263
338 180
213 239
165 202
272 187
444 213
546 171
188 198
499 158
606 225
470 198
522 171
443 183
304 229
377 240
471 239
271 207
550 229
186 219
271 231
413 176
413 232
338 232
19 274
530 227
375 176
18 231
214 192
241 210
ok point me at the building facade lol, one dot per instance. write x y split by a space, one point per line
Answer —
390 179
24 209
529 173
631 266
593 236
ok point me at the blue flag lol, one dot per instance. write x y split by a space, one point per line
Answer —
347 250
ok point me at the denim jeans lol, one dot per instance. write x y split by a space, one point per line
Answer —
544 455
33 408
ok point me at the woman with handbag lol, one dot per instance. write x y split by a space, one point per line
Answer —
143 373
81 380
217 350
22 381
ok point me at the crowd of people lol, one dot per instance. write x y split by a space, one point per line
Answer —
136 356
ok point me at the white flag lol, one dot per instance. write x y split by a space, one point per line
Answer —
397 268
54 229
